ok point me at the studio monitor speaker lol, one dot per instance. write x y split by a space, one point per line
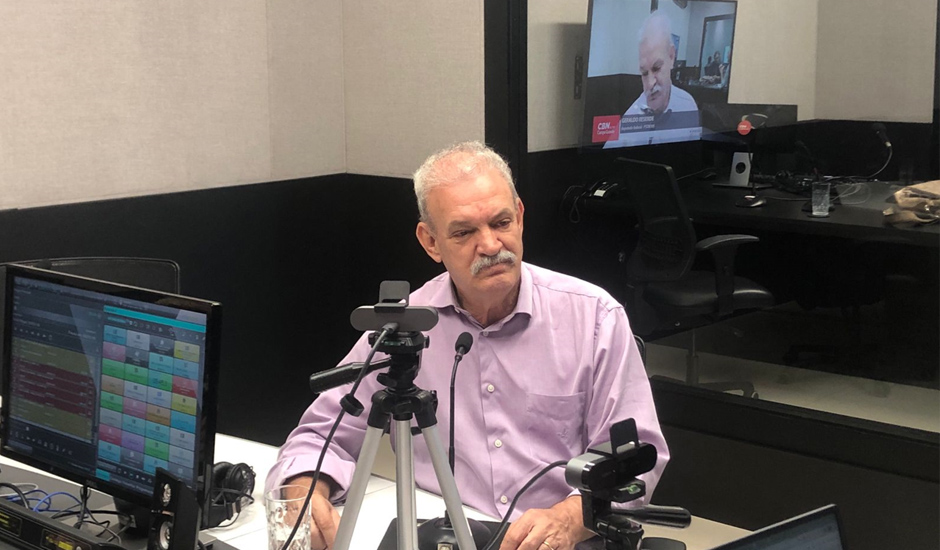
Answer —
176 514
740 170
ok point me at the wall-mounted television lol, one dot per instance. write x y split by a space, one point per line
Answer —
655 69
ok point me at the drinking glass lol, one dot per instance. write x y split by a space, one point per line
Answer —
820 199
282 507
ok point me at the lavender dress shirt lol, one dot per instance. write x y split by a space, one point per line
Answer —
543 384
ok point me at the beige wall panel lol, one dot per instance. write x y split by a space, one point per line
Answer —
414 81
876 60
774 58
111 99
308 125
557 32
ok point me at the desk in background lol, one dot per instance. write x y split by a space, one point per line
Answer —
859 216
249 532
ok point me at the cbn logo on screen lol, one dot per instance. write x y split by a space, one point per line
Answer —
606 128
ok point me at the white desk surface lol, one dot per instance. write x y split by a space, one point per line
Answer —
379 507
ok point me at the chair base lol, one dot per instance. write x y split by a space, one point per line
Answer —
692 377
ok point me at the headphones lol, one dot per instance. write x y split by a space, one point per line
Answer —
232 485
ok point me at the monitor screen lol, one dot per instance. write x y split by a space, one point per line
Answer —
653 71
105 383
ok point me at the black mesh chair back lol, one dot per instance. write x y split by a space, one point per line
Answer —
151 273
666 243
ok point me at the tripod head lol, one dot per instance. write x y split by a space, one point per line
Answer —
403 342
607 474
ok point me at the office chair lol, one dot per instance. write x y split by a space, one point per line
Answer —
151 273
663 290
640 345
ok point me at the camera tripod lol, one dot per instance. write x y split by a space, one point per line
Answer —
401 400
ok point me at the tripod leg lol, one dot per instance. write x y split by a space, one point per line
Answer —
357 488
445 478
405 486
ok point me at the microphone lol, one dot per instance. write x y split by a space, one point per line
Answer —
462 347
435 533
464 342
882 133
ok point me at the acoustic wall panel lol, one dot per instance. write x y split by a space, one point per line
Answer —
774 58
876 60
557 32
112 99
414 81
305 55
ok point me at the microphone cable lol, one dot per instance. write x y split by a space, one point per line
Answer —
501 530
386 330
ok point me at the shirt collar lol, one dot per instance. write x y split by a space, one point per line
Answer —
445 297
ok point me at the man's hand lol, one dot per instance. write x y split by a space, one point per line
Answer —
557 528
324 515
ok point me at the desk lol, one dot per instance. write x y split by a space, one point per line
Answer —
378 508
859 217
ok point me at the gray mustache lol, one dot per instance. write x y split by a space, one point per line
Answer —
503 257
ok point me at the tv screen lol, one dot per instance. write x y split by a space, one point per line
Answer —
653 69
105 383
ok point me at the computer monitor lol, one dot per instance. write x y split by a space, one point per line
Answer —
104 383
820 529
650 72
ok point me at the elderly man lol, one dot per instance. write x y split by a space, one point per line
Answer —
657 57
553 366
662 113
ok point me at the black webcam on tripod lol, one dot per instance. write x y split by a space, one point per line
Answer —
607 474
393 308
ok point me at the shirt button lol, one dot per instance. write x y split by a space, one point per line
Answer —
503 499
498 443
490 388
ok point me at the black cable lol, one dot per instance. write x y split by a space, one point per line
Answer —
574 215
68 512
386 330
83 497
882 169
222 498
501 530
19 493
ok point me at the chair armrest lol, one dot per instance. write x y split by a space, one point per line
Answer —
723 249
724 240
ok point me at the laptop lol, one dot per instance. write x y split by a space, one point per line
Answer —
819 529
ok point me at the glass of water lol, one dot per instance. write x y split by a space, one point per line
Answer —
282 507
820 200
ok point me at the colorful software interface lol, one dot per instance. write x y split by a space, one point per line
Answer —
105 386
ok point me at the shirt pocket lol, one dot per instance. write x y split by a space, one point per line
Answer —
554 425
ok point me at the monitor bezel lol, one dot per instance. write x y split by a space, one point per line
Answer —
771 530
585 146
207 421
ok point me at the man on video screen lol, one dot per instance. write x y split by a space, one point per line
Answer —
663 112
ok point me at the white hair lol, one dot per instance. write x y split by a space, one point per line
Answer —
657 25
456 164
